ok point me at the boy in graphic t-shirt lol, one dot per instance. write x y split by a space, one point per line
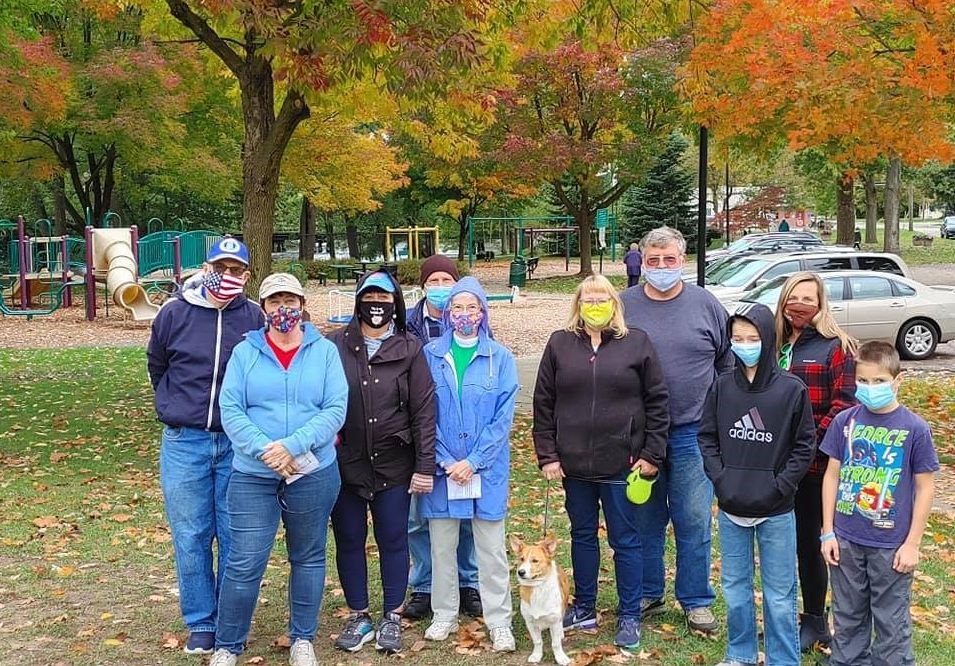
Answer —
876 497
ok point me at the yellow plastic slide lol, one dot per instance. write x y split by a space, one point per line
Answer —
113 254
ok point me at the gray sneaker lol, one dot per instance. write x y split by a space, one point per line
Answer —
651 607
732 662
702 619
358 631
388 637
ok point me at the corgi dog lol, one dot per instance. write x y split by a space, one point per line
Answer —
545 594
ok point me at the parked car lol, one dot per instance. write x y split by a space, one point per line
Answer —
879 306
750 272
786 241
948 227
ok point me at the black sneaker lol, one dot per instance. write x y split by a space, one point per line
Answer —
358 631
200 642
388 637
651 607
471 602
580 618
628 632
418 607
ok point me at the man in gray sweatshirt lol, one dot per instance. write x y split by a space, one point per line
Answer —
687 326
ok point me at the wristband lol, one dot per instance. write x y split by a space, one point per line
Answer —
828 536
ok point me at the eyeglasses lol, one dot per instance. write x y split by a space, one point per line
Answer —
670 261
469 309
220 267
595 301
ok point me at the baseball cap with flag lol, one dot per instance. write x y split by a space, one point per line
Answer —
228 247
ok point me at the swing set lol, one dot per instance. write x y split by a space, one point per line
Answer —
546 231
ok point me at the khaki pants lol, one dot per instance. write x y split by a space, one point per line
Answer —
494 581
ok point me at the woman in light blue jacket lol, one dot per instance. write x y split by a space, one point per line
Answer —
475 385
283 402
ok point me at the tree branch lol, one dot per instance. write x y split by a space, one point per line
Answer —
182 12
294 110
612 194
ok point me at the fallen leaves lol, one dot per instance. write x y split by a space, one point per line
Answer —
170 641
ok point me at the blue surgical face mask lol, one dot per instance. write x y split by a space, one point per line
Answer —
438 296
875 396
663 279
748 352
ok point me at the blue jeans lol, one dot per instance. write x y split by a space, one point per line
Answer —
584 499
194 470
684 495
419 545
255 505
777 567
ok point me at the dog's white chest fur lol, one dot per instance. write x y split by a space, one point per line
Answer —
546 605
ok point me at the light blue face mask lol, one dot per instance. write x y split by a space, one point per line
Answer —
438 296
748 352
663 279
875 396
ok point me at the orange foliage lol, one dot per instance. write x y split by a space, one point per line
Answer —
34 83
859 79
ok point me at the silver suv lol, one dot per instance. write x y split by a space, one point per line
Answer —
730 285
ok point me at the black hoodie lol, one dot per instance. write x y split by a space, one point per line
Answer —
757 438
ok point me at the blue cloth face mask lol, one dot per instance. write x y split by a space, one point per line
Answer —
875 396
748 352
438 296
663 279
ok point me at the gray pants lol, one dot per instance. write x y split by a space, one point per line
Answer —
494 579
867 594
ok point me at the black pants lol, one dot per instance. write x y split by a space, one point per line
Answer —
813 574
633 280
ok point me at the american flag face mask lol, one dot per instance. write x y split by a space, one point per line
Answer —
223 286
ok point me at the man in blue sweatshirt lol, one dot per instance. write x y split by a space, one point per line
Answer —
687 327
191 342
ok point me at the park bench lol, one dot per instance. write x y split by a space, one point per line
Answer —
322 278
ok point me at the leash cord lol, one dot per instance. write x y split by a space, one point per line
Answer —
546 507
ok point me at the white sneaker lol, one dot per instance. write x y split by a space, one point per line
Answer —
301 654
223 657
502 640
439 631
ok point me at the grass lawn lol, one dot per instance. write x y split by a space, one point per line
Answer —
86 569
942 251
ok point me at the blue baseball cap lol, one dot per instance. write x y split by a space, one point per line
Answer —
228 247
378 280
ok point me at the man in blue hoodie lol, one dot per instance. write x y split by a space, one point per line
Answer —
191 342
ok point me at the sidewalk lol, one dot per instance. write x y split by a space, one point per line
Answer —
527 375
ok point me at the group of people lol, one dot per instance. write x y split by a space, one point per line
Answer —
406 416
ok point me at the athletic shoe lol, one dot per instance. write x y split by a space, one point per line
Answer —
702 619
200 642
580 618
302 654
502 640
651 607
471 602
628 632
439 631
358 631
418 607
388 637
223 657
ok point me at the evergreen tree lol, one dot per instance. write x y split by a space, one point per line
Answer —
662 198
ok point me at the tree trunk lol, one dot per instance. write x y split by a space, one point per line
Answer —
306 245
893 190
59 205
463 218
351 237
845 210
911 207
871 207
330 235
584 221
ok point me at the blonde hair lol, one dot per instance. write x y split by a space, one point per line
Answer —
824 322
575 324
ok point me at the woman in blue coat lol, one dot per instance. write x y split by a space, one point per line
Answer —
475 385
283 402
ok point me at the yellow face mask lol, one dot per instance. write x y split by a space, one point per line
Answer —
597 315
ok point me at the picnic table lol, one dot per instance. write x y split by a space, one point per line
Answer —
366 264
342 271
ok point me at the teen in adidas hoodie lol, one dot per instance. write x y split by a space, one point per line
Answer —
757 438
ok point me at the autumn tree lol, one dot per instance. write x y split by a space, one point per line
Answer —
585 120
858 80
284 54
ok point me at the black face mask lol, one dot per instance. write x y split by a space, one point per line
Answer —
375 313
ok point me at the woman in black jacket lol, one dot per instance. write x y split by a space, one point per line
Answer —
386 453
600 411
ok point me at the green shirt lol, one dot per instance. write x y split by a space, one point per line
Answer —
462 359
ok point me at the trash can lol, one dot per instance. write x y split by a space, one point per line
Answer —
518 277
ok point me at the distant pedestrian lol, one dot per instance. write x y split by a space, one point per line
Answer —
633 259
784 225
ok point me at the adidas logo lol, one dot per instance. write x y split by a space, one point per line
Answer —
750 428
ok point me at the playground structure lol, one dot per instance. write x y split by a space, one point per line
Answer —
39 271
421 242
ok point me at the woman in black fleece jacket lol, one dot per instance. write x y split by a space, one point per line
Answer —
600 410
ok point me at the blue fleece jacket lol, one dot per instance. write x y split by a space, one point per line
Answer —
189 347
302 407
